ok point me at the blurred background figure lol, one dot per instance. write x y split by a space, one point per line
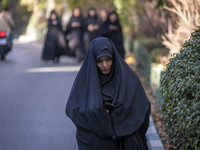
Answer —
91 26
7 23
113 31
55 43
103 17
74 34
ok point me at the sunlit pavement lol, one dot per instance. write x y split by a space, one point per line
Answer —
33 95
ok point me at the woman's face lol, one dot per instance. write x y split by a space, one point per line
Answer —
92 13
113 18
104 64
76 12
103 15
53 16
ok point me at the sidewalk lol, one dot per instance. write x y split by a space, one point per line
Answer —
153 139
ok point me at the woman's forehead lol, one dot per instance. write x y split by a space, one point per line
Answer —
100 44
104 57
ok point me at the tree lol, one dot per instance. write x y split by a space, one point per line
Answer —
142 18
127 10
188 18
3 3
86 4
40 9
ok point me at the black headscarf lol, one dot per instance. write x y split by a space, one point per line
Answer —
107 82
50 21
85 105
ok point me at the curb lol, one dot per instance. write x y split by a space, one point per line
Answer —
153 139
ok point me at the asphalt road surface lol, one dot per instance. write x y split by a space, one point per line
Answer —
33 96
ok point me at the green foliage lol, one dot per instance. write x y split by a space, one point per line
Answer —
74 3
180 91
86 4
4 3
160 3
41 5
127 10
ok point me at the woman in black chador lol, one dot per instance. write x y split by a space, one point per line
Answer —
113 31
91 27
103 18
55 43
107 102
74 34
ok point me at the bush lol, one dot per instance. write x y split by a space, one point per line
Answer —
180 92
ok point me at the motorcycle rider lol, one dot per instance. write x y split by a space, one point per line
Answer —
7 22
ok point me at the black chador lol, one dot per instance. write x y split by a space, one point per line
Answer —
91 27
74 34
55 43
124 127
113 30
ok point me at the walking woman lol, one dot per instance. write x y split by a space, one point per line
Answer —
74 34
91 27
55 43
113 31
103 18
107 102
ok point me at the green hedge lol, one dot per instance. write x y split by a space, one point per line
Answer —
180 91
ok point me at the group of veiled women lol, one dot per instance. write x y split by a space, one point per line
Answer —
79 33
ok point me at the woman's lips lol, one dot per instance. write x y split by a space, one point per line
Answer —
105 70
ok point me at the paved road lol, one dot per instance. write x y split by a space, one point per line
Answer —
33 95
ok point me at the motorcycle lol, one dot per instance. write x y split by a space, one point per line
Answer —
5 45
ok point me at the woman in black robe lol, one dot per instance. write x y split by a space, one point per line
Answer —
113 31
91 27
107 102
74 34
103 18
55 43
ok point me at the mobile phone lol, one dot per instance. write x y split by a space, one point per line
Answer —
108 106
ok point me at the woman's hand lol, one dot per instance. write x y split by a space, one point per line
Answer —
113 28
75 24
96 27
107 111
90 27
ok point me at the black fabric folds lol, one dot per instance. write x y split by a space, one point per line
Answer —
129 119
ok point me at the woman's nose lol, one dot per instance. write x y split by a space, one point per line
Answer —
104 64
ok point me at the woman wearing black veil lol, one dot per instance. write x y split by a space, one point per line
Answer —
113 30
103 18
107 102
91 27
55 43
74 34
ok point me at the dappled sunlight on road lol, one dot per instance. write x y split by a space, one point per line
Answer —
54 69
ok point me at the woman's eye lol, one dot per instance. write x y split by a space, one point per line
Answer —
108 59
99 61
